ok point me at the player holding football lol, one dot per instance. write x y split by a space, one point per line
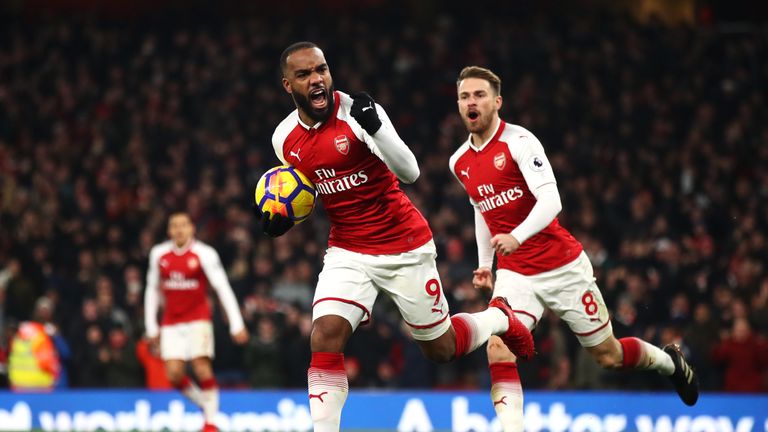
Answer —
378 240
182 268
512 187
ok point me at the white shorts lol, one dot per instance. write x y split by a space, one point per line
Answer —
570 291
186 341
351 281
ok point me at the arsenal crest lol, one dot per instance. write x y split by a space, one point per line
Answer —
192 263
342 144
500 161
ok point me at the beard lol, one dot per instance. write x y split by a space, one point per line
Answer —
480 126
303 103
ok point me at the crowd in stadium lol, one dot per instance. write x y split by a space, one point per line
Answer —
657 135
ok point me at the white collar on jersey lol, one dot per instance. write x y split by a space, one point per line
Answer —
480 148
306 126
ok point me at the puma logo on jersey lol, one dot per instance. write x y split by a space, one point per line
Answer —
500 401
465 172
439 310
295 154
318 396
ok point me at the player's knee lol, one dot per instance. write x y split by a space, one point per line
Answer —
202 368
175 377
498 352
330 335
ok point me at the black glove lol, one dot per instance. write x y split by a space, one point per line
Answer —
364 111
273 225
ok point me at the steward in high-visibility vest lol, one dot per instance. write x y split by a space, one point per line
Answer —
33 363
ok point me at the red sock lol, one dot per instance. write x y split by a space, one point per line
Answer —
327 360
633 351
504 371
210 399
207 384
463 335
328 388
507 395
183 384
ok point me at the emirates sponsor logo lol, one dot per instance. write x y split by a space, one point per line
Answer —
342 144
178 281
500 199
335 185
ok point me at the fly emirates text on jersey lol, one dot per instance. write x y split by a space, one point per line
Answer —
329 184
492 200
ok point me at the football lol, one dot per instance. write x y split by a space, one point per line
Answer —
287 191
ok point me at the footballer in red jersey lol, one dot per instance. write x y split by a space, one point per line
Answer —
379 241
180 272
512 187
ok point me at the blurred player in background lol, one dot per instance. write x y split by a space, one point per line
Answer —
540 265
181 269
378 241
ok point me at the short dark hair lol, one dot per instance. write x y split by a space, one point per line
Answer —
292 48
481 73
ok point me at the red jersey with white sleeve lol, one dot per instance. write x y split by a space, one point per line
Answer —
182 276
354 174
499 177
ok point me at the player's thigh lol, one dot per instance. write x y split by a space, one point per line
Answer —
520 292
575 297
175 370
344 288
412 281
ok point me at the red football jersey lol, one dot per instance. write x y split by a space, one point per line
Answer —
368 211
499 177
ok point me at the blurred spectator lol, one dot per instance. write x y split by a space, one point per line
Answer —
43 314
295 347
33 364
744 357
699 336
154 368
119 359
19 292
263 361
92 358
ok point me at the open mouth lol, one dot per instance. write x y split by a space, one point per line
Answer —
319 98
473 115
